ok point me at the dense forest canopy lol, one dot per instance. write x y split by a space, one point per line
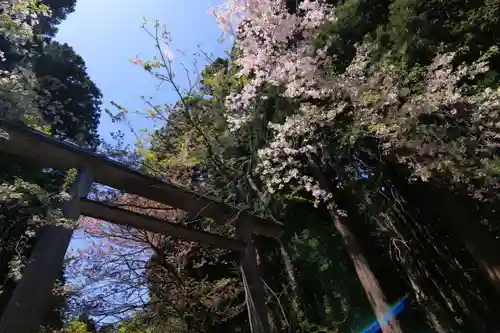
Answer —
371 129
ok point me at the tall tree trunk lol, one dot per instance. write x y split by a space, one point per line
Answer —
394 273
460 222
373 290
481 245
463 264
367 278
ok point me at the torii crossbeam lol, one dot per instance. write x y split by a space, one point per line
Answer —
32 294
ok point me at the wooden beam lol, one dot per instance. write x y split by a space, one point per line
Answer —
33 294
253 284
49 152
120 216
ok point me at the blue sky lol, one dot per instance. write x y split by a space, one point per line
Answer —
106 33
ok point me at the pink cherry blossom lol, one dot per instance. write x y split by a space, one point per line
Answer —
265 31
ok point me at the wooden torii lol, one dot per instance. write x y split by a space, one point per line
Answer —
32 295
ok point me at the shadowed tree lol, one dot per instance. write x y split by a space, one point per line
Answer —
67 97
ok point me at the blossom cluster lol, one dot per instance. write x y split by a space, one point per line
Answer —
464 135
229 14
380 105
282 162
274 49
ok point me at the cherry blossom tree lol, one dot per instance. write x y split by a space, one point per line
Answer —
277 49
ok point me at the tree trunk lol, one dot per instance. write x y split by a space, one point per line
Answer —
459 221
394 273
373 290
458 252
481 245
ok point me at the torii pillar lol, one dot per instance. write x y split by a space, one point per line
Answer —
252 281
33 294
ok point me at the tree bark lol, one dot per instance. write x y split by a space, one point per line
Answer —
367 278
457 219
481 245
373 290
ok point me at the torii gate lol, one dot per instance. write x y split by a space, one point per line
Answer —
32 295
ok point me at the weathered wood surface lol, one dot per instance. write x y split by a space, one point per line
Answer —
33 294
120 216
52 153
253 284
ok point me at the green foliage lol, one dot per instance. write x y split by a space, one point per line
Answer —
141 323
409 33
312 284
65 103
60 9
77 326
69 99
357 19
417 29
